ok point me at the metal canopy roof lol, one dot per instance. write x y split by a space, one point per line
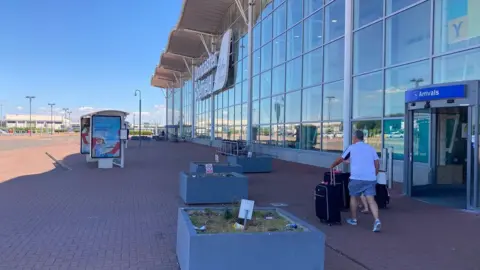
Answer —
198 16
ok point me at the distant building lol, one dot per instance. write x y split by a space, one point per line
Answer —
38 121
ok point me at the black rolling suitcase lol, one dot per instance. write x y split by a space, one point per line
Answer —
327 201
383 197
342 178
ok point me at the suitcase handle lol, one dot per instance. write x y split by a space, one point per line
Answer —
332 177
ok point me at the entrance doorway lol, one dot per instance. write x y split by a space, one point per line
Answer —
441 153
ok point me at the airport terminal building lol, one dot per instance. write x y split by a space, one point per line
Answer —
295 77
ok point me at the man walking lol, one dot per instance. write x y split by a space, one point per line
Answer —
364 166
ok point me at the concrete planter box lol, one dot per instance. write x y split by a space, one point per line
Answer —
203 188
303 250
255 164
199 167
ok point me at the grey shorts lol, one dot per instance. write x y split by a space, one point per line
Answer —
359 187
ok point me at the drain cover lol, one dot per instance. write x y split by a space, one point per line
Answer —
279 204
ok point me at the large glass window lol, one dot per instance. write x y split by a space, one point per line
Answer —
333 101
294 42
279 20
312 68
372 130
393 130
292 136
311 104
238 93
266 57
267 29
238 72
278 80
457 67
256 62
244 91
310 136
398 80
396 5
334 57
457 24
409 39
368 95
238 115
294 11
257 37
265 111
266 84
332 136
256 87
293 103
311 6
255 112
368 49
231 96
294 74
312 37
279 50
334 20
367 11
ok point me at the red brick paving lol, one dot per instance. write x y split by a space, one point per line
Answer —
126 219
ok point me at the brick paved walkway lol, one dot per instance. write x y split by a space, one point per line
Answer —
126 219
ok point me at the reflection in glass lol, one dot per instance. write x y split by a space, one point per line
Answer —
224 96
238 72
231 116
368 95
311 5
294 42
333 101
279 50
372 130
292 136
238 115
256 87
393 130
256 37
334 58
310 136
312 68
278 134
244 91
408 39
238 93
311 105
395 5
255 112
294 74
312 37
231 96
368 48
256 62
332 136
334 20
267 29
398 80
245 69
265 112
457 67
279 20
294 12
266 84
453 25
278 107
244 114
293 102
278 80
263 134
367 11
266 57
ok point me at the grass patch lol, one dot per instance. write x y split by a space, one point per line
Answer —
223 221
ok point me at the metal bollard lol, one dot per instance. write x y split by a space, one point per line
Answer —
383 166
390 167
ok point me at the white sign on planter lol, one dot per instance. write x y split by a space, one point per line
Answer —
208 168
246 209
223 63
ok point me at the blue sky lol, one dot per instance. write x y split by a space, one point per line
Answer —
83 54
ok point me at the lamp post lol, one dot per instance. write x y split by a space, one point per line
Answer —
64 122
1 115
30 122
51 117
69 118
139 113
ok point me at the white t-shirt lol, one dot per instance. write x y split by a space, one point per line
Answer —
362 161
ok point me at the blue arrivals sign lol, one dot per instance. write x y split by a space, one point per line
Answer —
436 93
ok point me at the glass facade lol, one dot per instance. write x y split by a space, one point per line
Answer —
299 68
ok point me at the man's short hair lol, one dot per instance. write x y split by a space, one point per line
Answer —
358 134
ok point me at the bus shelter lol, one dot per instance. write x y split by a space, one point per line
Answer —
103 137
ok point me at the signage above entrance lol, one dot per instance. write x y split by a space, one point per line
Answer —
207 66
436 93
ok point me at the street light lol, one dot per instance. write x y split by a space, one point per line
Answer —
30 123
1 115
51 117
139 113
69 119
64 122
